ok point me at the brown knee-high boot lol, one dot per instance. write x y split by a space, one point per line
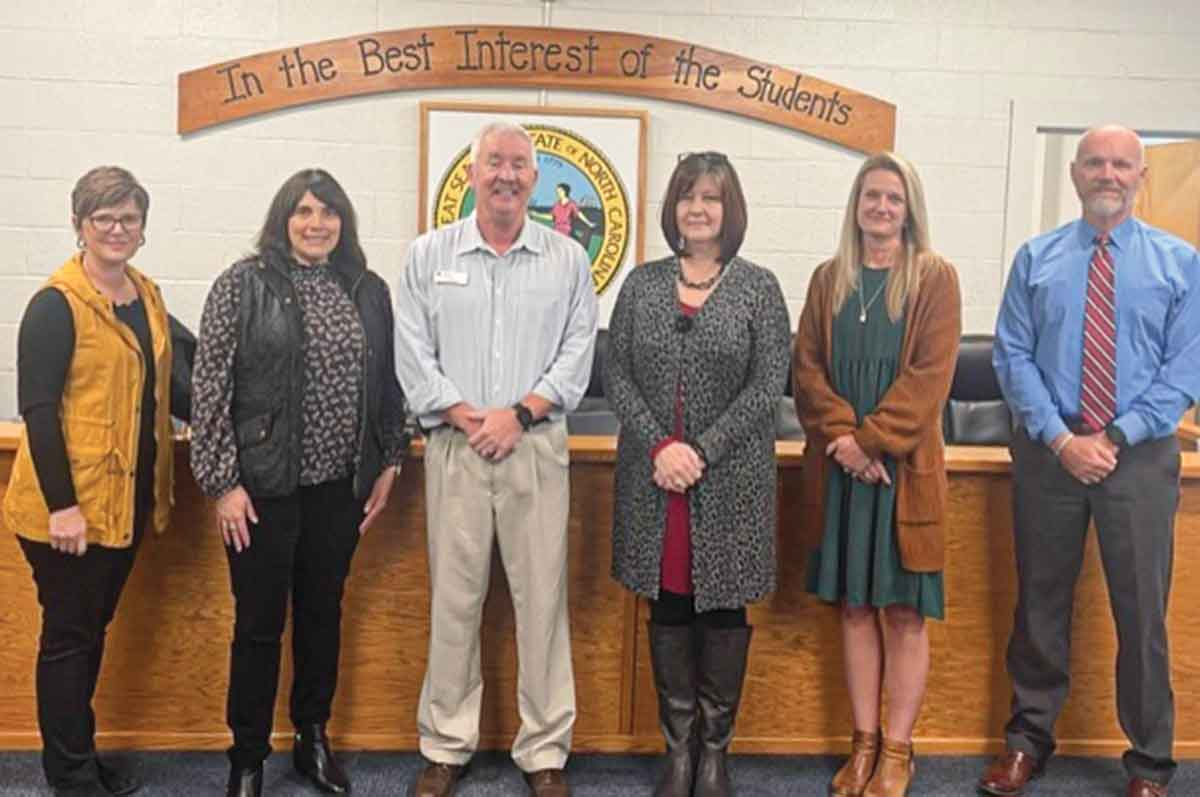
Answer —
672 654
721 675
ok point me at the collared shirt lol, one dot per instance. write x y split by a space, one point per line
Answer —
487 329
1039 332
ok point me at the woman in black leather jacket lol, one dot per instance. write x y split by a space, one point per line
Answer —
298 433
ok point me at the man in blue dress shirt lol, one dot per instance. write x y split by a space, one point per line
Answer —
1098 354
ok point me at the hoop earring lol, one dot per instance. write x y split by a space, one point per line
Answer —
82 244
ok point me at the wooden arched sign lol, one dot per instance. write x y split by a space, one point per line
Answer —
496 56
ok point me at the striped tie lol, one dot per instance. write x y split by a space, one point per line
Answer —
1098 391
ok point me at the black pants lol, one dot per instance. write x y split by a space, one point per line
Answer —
671 608
1134 511
301 548
79 596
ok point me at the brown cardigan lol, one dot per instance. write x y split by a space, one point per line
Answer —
905 425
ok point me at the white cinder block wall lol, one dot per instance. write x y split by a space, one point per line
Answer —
85 83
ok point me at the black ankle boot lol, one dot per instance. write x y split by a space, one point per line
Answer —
244 782
313 757
118 777
672 655
722 672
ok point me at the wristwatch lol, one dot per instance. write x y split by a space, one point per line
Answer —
524 416
1114 433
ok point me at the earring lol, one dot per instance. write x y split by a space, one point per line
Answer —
82 244
682 243
142 241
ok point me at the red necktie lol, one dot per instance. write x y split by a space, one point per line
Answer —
1098 390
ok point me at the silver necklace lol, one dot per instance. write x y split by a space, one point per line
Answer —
863 308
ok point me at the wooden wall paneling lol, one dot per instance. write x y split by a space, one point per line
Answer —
166 666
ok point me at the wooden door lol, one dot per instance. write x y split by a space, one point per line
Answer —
1170 196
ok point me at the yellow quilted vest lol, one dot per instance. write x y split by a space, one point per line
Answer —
101 414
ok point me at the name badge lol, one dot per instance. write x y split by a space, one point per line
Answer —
450 277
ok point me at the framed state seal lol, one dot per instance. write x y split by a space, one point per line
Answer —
590 186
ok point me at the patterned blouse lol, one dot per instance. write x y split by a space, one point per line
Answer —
333 371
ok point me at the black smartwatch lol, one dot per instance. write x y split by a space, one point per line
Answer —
1114 433
524 416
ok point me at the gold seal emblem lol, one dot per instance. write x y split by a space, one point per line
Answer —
578 193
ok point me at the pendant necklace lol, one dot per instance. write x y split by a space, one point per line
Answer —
863 308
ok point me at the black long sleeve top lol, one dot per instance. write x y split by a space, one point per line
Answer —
45 345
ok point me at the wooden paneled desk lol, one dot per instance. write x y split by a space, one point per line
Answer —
165 669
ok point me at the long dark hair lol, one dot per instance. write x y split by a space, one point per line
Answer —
273 238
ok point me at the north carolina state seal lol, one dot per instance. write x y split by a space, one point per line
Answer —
578 193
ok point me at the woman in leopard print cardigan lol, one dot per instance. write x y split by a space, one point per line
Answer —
697 360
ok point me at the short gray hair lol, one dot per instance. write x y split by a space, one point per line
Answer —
500 128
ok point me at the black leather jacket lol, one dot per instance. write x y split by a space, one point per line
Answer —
269 375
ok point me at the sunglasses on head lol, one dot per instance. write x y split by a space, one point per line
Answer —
707 157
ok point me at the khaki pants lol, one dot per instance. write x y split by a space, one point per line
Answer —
521 503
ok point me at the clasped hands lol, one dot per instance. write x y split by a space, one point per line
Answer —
1090 458
492 434
853 461
677 467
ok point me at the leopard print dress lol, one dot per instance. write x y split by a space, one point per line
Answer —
733 362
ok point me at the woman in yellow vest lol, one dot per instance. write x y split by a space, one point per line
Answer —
94 463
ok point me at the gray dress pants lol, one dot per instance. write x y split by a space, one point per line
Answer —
1134 512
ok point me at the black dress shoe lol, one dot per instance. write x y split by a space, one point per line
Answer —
244 782
118 776
313 758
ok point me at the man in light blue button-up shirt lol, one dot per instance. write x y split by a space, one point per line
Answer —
495 329
1068 471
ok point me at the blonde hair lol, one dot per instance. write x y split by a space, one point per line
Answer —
915 249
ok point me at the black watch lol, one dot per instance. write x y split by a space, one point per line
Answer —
1114 433
524 416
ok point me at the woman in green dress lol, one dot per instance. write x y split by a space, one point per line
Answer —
873 360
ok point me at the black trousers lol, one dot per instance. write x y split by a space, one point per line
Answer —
671 608
1134 512
300 549
79 596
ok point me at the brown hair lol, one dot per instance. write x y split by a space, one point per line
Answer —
103 187
733 202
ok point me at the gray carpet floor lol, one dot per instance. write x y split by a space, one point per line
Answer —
493 775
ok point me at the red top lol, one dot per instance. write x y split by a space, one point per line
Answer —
676 571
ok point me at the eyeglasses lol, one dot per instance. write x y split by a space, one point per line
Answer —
105 222
708 157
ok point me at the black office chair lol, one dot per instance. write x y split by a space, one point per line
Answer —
183 351
594 415
976 414
787 425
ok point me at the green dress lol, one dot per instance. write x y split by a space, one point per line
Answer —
858 560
